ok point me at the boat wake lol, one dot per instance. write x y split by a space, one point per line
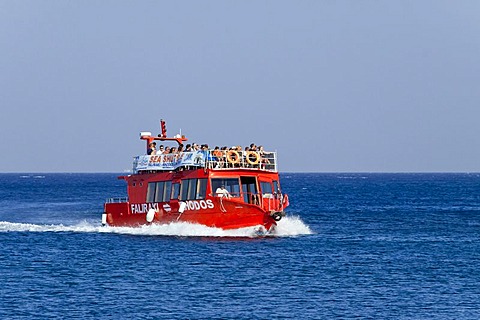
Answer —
287 227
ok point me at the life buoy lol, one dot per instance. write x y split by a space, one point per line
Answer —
233 157
255 155
277 216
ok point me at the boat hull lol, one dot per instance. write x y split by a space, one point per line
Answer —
215 212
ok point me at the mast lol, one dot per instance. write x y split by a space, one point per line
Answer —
144 135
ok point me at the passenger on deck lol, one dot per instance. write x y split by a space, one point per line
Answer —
152 149
222 192
261 151
223 161
179 151
160 149
263 158
244 157
218 156
217 153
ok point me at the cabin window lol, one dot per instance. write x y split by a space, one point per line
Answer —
276 186
151 192
159 192
184 189
266 187
249 189
167 191
175 191
232 185
201 189
192 189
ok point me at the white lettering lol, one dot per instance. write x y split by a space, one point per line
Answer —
197 205
139 208
210 204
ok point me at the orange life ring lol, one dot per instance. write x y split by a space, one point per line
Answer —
218 153
255 154
233 157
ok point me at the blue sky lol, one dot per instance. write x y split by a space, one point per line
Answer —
375 86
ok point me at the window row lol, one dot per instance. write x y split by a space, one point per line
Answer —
196 189
188 189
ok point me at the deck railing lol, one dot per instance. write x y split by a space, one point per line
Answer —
211 159
242 160
117 200
268 201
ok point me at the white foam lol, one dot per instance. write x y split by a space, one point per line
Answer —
292 226
29 227
288 226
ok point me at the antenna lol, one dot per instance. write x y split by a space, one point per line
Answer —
163 126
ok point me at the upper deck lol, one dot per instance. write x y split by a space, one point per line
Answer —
211 159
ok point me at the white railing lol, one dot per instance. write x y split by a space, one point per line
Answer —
117 200
212 159
228 160
269 202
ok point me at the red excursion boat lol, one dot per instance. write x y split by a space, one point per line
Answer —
226 189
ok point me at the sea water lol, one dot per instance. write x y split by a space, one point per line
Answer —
384 246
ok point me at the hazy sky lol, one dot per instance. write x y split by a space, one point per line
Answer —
331 85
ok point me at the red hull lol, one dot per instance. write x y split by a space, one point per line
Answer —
214 212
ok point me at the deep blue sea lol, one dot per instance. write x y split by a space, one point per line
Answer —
376 246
